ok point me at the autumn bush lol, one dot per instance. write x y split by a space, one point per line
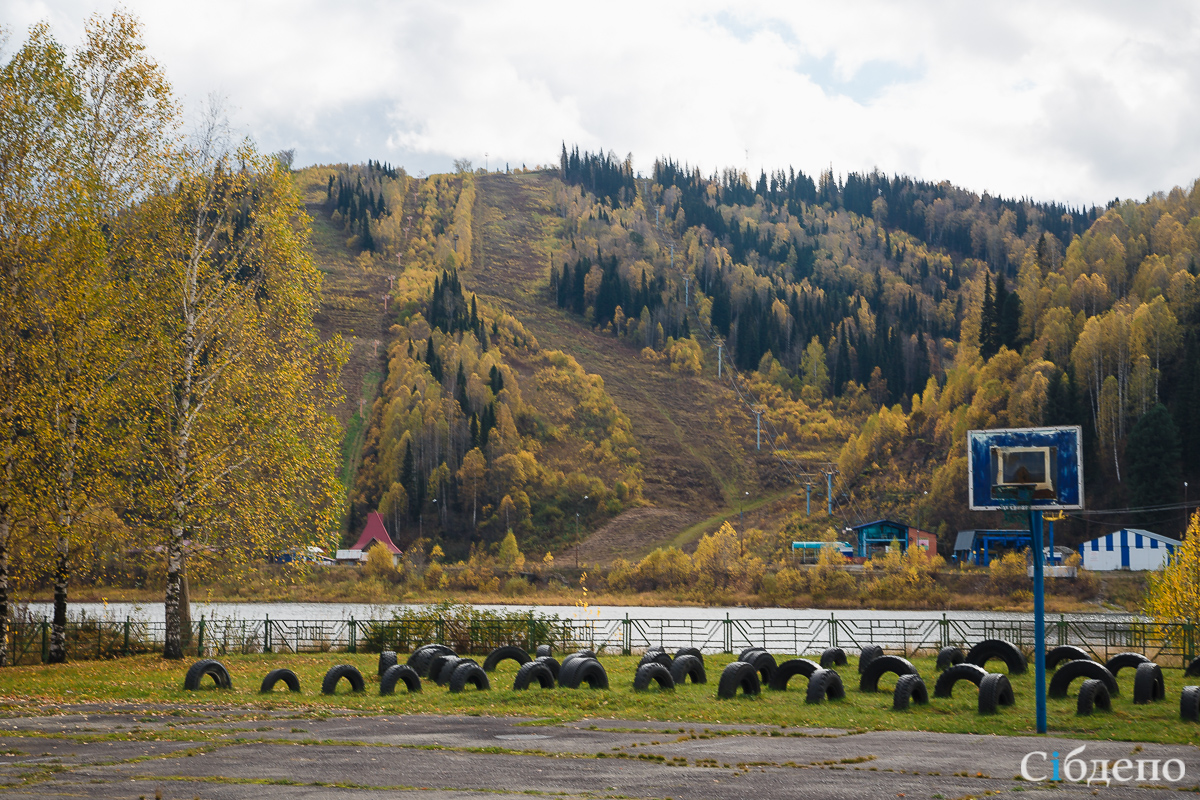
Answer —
908 578
1008 574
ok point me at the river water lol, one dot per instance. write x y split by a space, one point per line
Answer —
153 612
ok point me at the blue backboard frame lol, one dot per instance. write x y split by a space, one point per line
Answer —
1067 442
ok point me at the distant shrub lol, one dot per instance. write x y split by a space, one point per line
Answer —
515 587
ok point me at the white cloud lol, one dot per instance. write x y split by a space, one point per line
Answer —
1079 103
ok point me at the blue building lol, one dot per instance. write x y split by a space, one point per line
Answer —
878 535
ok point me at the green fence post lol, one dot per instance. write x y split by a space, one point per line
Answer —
728 623
439 630
125 650
45 641
267 635
626 635
832 631
529 643
945 630
353 636
200 639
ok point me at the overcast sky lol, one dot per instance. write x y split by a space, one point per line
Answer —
1075 102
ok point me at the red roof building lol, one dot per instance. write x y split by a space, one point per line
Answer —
374 533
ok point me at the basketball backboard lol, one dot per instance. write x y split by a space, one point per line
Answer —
1025 467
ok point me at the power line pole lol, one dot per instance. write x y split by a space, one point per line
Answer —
829 489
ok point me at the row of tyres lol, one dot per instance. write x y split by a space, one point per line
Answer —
755 667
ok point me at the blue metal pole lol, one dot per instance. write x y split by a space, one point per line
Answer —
1039 619
808 499
829 492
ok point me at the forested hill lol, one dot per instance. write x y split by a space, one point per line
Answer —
871 320
947 309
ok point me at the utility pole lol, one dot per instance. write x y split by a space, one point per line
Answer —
829 473
808 499
742 509
758 412
720 344
685 291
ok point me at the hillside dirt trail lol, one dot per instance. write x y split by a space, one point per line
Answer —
695 440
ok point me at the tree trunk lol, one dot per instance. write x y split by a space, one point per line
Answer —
173 644
58 631
5 527
185 610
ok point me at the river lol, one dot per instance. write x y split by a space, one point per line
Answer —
153 612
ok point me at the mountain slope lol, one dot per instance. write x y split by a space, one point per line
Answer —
691 432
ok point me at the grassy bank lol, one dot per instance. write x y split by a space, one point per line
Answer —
1120 591
149 679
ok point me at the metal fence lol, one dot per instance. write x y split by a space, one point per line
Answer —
90 639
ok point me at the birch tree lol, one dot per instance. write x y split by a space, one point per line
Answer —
35 103
98 121
245 451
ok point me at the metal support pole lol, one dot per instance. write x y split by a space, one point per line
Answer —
685 291
758 429
1039 620
829 493
719 360
808 499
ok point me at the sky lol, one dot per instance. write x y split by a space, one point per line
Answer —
1075 102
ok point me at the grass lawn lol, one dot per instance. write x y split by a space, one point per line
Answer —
148 679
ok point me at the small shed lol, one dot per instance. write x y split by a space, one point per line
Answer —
1128 548
374 535
979 547
809 552
350 557
878 535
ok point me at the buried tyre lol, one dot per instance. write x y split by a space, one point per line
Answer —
738 675
1148 684
399 673
652 672
583 670
868 654
1093 694
824 684
275 676
337 673
881 666
995 691
531 672
959 672
947 657
509 652
207 666
1007 652
909 688
1060 684
790 669
688 667
469 674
